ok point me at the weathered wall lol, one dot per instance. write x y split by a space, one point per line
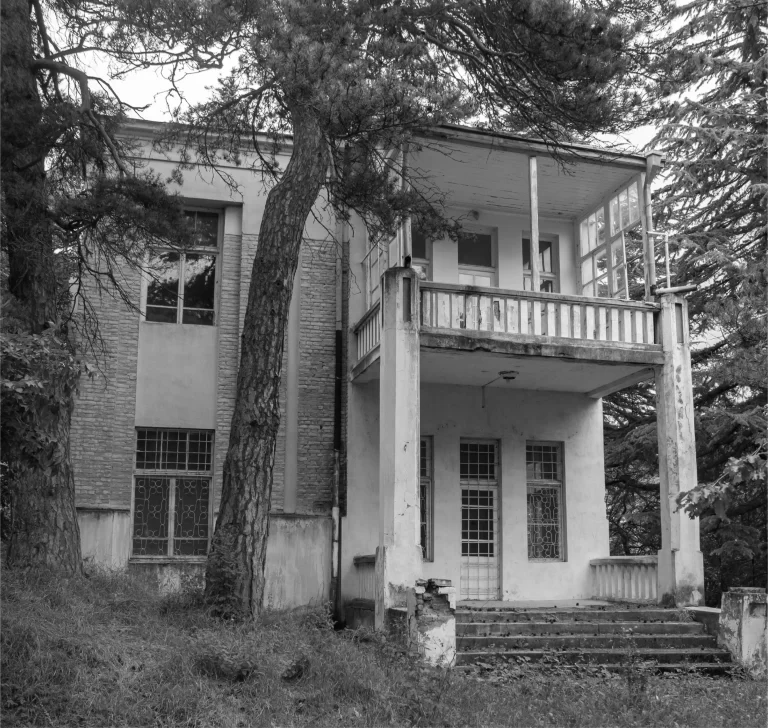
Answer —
449 413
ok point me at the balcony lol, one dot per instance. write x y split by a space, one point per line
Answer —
468 334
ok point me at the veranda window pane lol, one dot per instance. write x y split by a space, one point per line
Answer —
618 280
584 235
150 516
190 533
588 289
601 287
601 262
624 205
592 231
617 251
600 216
634 204
163 287
615 222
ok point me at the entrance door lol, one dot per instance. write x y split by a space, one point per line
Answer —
479 478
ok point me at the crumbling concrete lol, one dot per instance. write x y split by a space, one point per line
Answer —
744 627
431 626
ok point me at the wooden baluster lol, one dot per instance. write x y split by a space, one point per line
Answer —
484 314
536 317
525 316
457 310
426 308
551 318
650 335
443 311
565 320
576 330
513 316
614 324
497 314
626 325
589 321
602 324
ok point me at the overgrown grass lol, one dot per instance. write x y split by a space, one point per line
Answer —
108 651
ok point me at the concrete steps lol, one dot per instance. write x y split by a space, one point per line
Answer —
605 636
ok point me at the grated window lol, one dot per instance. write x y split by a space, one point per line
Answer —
544 474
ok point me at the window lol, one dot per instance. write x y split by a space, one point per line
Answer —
549 266
625 209
182 287
420 253
544 476
477 259
172 492
425 498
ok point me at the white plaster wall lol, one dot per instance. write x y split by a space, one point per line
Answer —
176 376
360 527
511 231
449 413
105 536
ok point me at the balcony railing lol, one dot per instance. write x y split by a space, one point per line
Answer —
625 578
446 306
368 331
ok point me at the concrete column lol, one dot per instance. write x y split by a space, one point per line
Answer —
398 556
681 566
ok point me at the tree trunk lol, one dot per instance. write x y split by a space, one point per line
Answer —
43 521
235 571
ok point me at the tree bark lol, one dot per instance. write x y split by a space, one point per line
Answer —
43 522
235 571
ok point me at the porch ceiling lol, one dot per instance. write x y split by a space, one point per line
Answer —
478 177
476 369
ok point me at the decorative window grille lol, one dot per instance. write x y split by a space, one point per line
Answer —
172 492
478 470
425 498
182 287
544 475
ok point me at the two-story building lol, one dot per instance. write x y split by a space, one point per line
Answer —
466 430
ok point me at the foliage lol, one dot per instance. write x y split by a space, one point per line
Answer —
108 650
708 99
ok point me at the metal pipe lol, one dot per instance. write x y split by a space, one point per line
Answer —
676 289
666 258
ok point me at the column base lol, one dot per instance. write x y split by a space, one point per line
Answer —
681 578
396 571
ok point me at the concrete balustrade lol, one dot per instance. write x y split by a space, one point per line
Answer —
458 307
625 578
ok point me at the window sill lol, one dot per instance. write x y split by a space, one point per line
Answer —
167 560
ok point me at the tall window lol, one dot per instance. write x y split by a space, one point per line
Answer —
425 498
544 475
420 253
549 266
172 492
477 258
182 287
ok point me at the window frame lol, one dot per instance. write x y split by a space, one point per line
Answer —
422 266
555 276
193 250
478 270
427 482
172 475
560 485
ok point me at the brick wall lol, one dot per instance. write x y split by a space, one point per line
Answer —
103 439
317 376
103 427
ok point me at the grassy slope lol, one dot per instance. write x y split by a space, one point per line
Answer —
107 651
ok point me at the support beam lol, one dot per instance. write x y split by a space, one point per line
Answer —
533 179
398 557
623 383
681 565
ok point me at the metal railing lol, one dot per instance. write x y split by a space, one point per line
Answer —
368 330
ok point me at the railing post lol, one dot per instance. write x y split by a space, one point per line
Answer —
533 181
398 557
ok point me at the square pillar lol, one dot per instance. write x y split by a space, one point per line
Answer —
681 564
398 556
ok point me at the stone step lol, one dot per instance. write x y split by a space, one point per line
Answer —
541 628
495 643
654 668
568 615
600 656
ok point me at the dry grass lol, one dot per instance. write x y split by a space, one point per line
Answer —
107 651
